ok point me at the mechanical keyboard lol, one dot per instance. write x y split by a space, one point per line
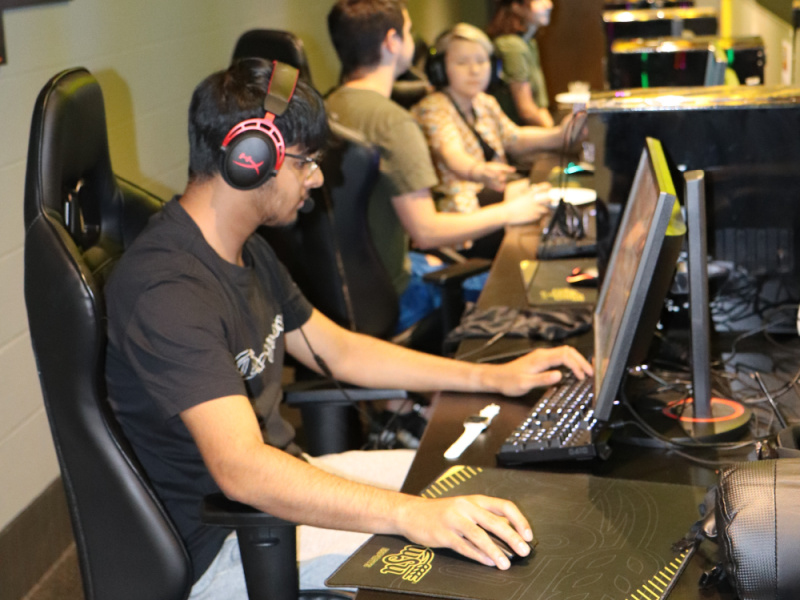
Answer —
562 246
561 426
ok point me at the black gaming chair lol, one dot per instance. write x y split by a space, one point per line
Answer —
330 252
274 44
79 218
332 256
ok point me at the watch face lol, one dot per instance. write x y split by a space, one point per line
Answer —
476 419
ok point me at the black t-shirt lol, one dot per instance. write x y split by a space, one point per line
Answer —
185 327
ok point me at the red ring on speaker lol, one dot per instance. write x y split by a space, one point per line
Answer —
268 128
736 412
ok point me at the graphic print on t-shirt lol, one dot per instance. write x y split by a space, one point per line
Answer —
249 363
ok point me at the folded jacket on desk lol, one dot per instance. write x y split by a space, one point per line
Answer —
534 323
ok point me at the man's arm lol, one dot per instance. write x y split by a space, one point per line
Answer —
430 228
247 470
527 109
370 362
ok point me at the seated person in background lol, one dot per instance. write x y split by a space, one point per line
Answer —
374 43
467 131
523 95
200 316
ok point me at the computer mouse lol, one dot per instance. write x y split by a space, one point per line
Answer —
509 553
581 278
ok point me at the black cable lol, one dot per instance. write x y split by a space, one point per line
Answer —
670 443
566 142
323 366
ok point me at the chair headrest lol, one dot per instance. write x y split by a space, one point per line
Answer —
69 148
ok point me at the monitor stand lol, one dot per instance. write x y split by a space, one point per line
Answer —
727 420
703 417
678 421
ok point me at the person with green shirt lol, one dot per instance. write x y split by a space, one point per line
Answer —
374 43
513 28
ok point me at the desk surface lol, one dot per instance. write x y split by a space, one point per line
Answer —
504 287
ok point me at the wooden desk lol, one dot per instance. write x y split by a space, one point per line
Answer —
449 412
450 409
505 286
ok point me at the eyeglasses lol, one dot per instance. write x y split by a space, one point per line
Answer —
311 161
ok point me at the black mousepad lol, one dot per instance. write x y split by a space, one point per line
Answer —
546 284
597 538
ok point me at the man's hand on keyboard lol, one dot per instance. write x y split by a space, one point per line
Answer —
462 523
535 369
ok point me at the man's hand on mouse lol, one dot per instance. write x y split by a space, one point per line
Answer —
461 524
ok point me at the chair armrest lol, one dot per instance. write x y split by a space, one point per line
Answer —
455 274
305 393
219 510
268 546
447 254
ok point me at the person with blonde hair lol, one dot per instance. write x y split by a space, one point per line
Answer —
469 134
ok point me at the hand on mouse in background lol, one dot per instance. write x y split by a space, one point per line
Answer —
583 278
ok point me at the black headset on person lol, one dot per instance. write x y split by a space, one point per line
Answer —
254 149
436 69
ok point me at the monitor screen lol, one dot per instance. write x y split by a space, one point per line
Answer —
640 270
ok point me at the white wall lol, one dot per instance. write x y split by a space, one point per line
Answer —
750 18
148 55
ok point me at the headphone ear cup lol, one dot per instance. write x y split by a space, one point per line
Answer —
249 160
435 69
496 75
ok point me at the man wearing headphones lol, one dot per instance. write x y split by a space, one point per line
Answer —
200 314
374 43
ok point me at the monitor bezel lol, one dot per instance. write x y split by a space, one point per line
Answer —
652 158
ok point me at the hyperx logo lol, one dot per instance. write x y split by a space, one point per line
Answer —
248 163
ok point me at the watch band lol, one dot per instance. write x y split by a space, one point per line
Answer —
473 427
470 434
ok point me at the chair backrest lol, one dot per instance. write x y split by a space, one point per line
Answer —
274 44
79 218
330 252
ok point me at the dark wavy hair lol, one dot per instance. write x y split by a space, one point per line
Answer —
505 21
358 28
226 98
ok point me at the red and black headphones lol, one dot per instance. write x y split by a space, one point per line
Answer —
254 150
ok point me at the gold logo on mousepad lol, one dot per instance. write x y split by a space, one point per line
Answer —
597 539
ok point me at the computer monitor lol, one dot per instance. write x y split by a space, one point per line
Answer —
640 270
716 64
703 417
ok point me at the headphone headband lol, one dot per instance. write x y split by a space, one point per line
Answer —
281 88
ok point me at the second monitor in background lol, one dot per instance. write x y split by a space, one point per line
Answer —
703 416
